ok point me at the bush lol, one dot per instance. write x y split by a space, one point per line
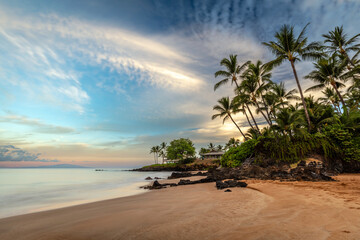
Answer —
187 160
236 155
180 149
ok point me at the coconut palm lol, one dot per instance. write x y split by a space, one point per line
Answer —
219 148
291 48
232 143
162 152
231 73
155 150
211 147
288 122
330 97
225 109
330 72
250 86
262 74
241 101
339 43
282 96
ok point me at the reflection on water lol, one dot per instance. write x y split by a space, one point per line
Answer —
31 190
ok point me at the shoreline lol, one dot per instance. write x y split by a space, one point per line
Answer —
264 210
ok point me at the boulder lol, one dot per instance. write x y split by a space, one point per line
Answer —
227 190
148 178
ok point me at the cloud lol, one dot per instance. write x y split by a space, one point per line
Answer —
9 153
38 125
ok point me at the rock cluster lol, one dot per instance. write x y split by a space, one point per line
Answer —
186 174
230 184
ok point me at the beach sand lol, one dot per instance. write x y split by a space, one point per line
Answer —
265 210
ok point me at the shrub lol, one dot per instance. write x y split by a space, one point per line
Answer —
236 155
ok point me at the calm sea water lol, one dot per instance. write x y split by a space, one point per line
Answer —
31 190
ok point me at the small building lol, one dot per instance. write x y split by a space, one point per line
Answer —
212 155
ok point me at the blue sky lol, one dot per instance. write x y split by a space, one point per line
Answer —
98 83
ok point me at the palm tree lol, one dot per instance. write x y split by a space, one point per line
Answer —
329 72
242 100
282 96
330 97
232 71
250 86
154 151
339 43
232 143
225 109
219 148
288 47
163 147
288 122
211 147
262 74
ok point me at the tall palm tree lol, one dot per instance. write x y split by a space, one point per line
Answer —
153 150
225 109
331 72
288 122
219 148
163 147
262 74
339 43
232 143
243 99
250 86
233 69
291 48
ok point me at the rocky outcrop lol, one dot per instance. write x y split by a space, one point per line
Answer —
177 168
186 174
230 184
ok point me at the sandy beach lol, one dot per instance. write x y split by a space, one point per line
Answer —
264 210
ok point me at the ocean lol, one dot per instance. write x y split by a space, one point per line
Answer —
27 190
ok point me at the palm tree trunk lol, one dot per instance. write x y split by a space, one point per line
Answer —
257 104
252 116
341 99
247 118
301 95
266 108
237 126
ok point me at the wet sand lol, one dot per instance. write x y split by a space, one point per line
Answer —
264 210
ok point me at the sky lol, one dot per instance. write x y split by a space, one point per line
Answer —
98 82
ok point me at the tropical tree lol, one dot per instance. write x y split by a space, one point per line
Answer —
330 72
162 153
155 150
225 109
330 97
281 95
291 48
231 72
340 43
288 122
249 86
232 143
211 147
181 149
219 148
243 99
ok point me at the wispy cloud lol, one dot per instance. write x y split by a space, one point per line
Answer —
9 153
37 125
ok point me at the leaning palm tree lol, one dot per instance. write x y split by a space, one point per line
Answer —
262 74
226 109
243 99
339 43
291 48
233 69
250 86
330 72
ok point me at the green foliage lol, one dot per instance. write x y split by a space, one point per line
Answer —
236 155
284 148
181 149
344 139
161 165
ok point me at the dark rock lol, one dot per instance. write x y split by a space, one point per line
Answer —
157 178
148 178
184 182
230 184
227 190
